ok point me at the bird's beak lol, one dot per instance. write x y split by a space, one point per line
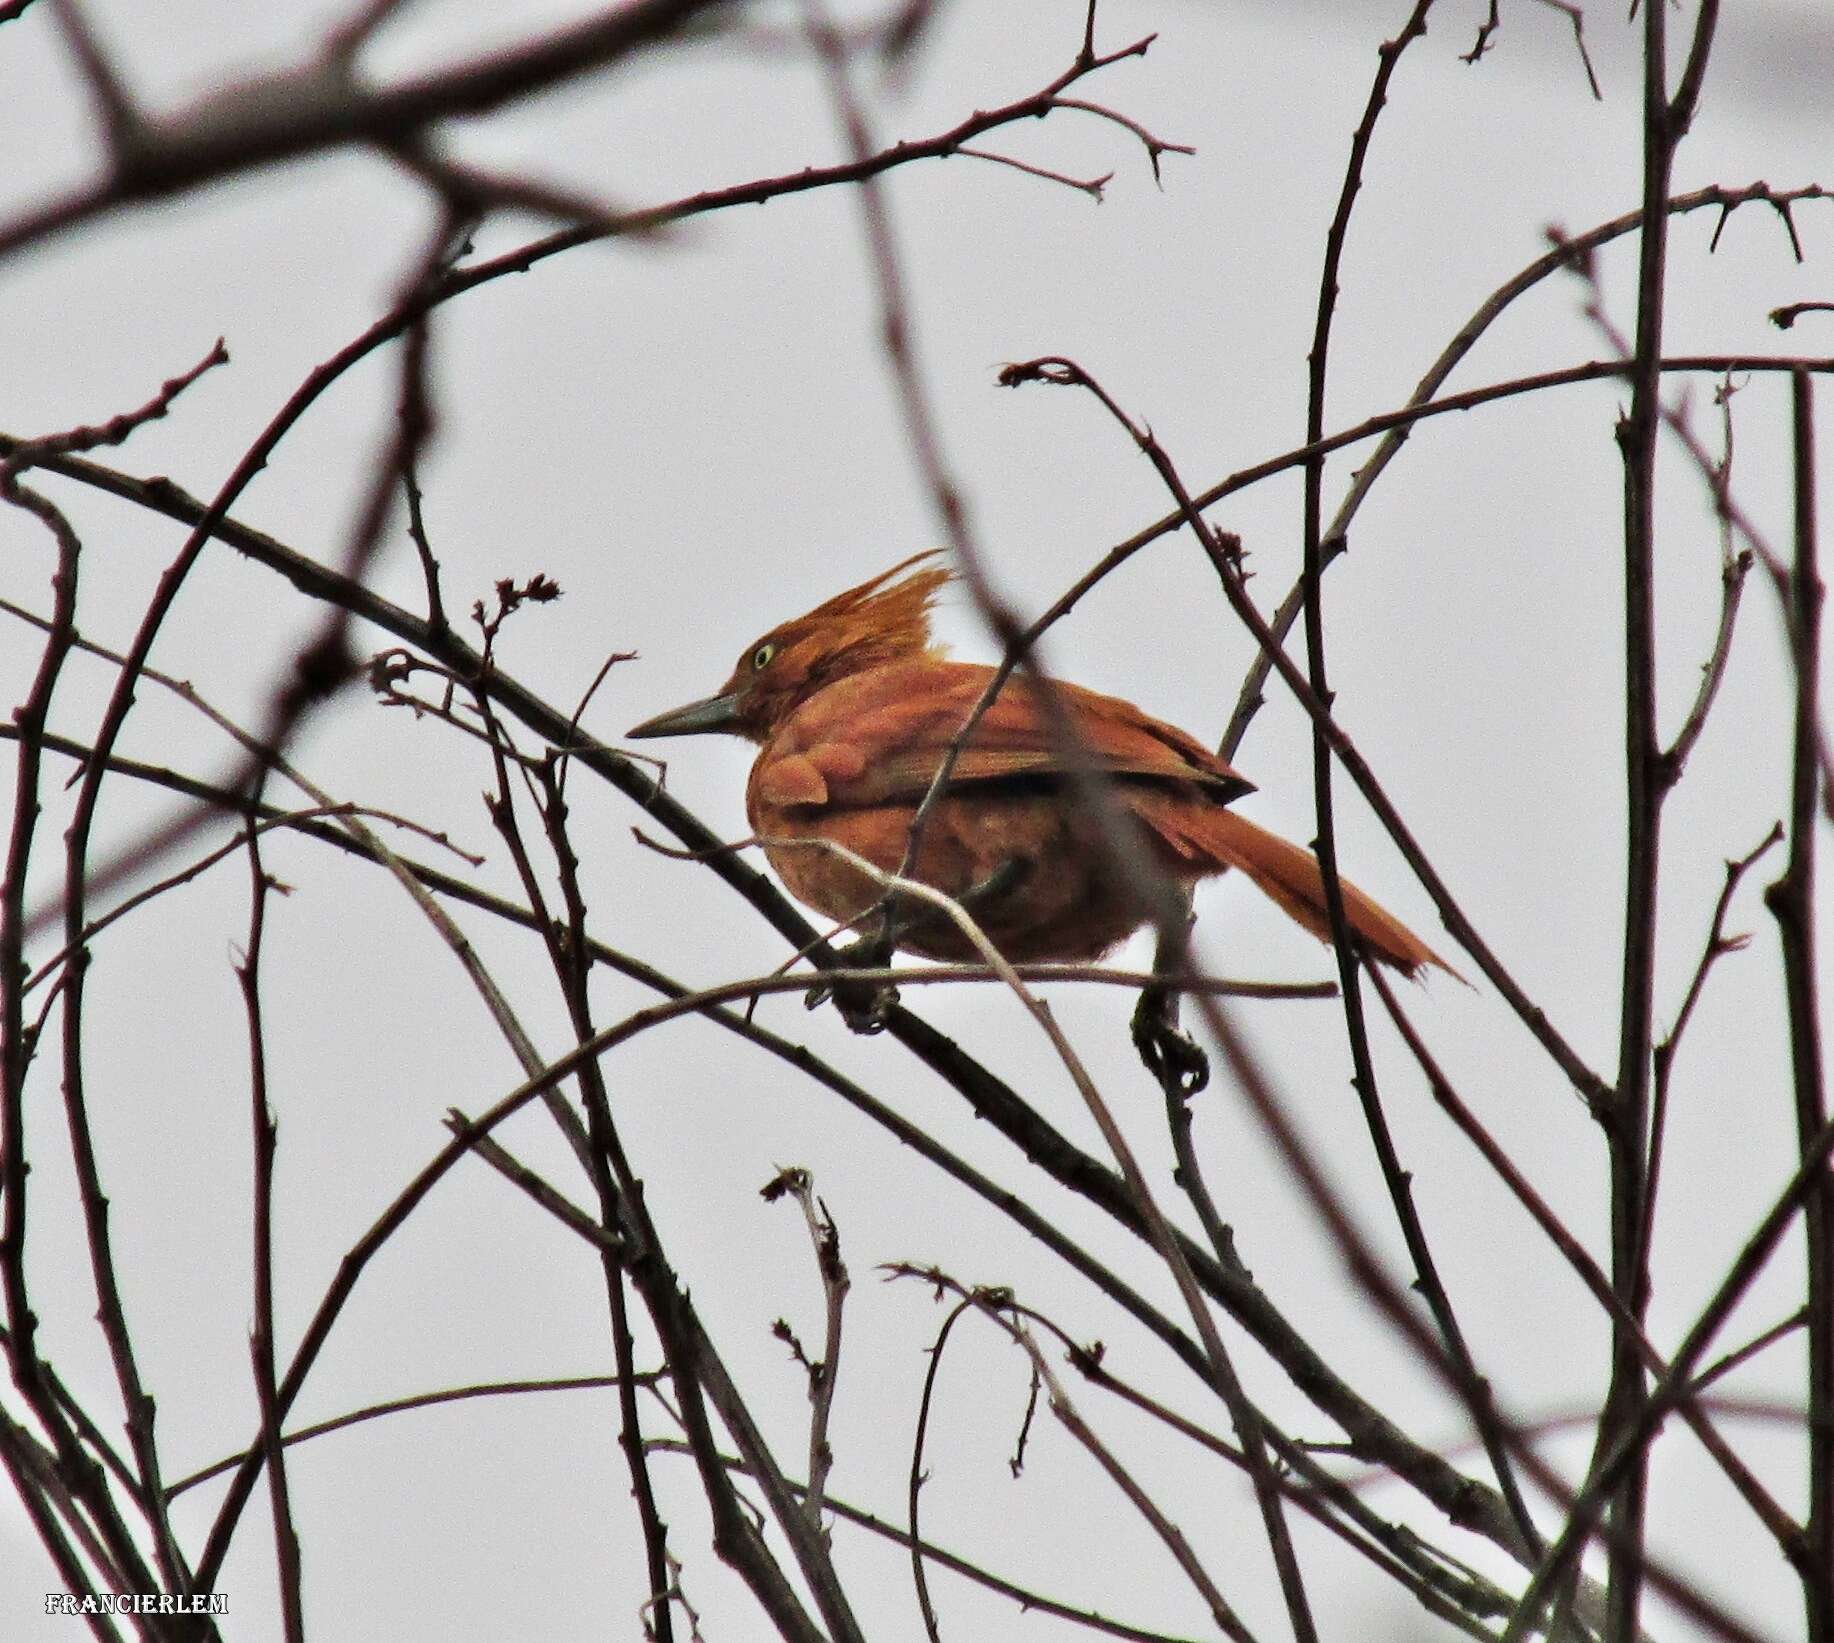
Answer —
696 719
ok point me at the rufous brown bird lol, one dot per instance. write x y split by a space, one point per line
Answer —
854 708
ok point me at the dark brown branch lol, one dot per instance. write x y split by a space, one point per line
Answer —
31 1374
1324 846
116 429
30 720
1694 72
316 106
320 105
1792 903
1404 1557
76 1472
1732 583
261 1345
572 965
594 1141
917 1474
1626 1119
36 1481
1155 146
1741 1355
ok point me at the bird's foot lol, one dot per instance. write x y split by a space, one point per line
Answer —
864 1005
1169 1053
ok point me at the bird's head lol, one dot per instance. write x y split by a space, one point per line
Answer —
881 621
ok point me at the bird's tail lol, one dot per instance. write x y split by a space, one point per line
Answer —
1290 875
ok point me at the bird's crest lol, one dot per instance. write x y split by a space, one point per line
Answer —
896 617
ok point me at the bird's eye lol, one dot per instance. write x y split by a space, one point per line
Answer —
761 657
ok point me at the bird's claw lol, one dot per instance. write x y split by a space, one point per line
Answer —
865 1006
1169 1053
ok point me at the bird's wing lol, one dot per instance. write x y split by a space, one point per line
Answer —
880 737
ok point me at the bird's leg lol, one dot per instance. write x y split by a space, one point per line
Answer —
1169 1053
865 1006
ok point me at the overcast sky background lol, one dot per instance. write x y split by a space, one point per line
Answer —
697 437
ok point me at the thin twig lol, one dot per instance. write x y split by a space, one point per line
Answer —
1733 569
1742 1355
998 1307
542 1191
1575 15
1029 1601
566 947
1662 1058
1155 146
1092 186
1564 252
1783 318
1625 1119
824 1373
917 1475
397 1406
269 118
261 1344
1398 1181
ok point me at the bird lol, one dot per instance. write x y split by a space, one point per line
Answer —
854 707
